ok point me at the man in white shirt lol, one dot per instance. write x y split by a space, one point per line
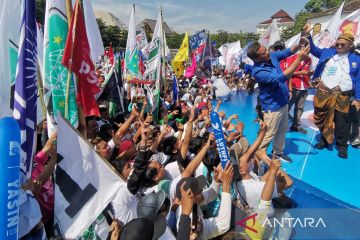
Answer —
338 70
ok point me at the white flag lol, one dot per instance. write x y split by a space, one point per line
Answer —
153 65
85 183
93 32
328 36
230 53
350 24
271 35
141 38
10 19
291 41
131 66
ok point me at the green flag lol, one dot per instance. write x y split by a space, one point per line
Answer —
131 53
55 74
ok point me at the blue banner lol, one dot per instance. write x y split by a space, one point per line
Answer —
25 96
9 178
219 138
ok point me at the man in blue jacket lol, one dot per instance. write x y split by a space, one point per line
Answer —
338 72
274 93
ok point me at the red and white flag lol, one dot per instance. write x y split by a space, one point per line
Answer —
77 59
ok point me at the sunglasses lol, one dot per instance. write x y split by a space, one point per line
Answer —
342 45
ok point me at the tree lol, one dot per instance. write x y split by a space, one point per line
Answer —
40 11
112 35
288 33
174 41
315 6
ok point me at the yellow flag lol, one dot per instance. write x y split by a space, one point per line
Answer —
181 56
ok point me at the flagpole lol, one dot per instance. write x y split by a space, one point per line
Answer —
41 91
68 11
82 123
212 72
163 47
69 15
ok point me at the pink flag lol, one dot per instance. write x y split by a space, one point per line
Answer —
190 71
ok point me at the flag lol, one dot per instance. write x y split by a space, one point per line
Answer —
230 55
77 59
175 89
243 55
291 41
350 24
141 38
10 20
54 73
190 71
93 32
113 91
26 89
84 185
131 53
181 57
271 35
153 65
111 55
197 44
208 57
327 38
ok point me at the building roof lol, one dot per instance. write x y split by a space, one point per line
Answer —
349 7
283 17
152 23
110 19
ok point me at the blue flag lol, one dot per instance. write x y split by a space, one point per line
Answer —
175 89
26 89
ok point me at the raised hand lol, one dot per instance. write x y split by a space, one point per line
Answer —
227 177
187 200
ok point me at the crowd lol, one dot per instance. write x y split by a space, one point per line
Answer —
173 185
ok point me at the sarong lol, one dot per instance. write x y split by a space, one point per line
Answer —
326 102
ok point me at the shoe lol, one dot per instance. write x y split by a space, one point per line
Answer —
284 158
321 144
342 152
298 129
355 142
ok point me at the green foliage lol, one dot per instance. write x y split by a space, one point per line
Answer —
40 11
315 6
174 41
112 34
288 33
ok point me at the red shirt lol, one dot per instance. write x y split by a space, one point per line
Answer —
298 81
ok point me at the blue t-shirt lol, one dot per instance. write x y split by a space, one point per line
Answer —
274 92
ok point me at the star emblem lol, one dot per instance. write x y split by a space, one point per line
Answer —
61 104
57 39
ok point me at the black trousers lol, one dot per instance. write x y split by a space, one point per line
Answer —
298 99
342 128
355 123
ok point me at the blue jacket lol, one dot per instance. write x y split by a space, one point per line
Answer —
325 54
274 93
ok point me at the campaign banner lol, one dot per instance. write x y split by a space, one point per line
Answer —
85 183
219 138
9 178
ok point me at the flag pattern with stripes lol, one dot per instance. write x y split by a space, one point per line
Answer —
25 87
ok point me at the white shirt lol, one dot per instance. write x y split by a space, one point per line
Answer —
125 204
337 73
251 189
215 226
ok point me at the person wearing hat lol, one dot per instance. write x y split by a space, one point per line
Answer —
274 93
339 72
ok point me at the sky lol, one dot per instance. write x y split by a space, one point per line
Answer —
194 15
